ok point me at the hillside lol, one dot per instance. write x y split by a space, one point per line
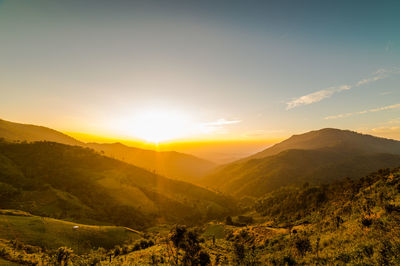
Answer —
78 184
331 137
349 222
315 157
171 164
24 132
51 233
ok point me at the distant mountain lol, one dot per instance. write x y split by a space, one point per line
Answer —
75 183
171 164
331 137
25 132
316 157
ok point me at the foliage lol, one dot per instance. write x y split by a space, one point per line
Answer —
74 183
316 157
187 241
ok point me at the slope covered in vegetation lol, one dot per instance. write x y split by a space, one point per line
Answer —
49 233
316 157
70 182
348 222
354 222
174 165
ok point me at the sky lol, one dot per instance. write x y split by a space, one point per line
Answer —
201 70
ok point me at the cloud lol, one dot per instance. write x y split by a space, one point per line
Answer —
221 122
215 126
327 93
316 96
395 129
369 80
379 109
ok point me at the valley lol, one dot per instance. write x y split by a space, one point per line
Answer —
295 203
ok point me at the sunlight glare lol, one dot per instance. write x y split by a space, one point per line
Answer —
156 126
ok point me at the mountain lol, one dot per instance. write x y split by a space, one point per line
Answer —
171 164
79 184
331 137
316 157
25 132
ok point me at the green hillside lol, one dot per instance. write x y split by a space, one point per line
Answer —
174 165
169 163
51 233
348 222
345 223
331 137
346 154
78 184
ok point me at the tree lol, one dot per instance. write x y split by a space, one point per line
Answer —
188 241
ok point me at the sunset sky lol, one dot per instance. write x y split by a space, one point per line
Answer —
201 70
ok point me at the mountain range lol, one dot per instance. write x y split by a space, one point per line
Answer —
320 156
75 183
169 163
317 157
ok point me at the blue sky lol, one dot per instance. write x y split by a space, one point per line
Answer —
238 70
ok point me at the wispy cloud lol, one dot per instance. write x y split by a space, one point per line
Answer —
327 93
386 129
379 109
316 96
218 125
221 122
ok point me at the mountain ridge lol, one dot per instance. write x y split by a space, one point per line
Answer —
172 164
320 156
72 182
304 141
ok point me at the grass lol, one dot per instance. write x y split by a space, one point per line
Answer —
52 233
217 230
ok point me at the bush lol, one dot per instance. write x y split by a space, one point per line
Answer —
204 258
303 245
63 254
366 221
288 260
239 251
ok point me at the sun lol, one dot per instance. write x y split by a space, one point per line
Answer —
159 125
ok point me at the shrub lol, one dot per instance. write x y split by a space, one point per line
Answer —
366 221
204 258
239 251
288 260
63 254
343 258
303 245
